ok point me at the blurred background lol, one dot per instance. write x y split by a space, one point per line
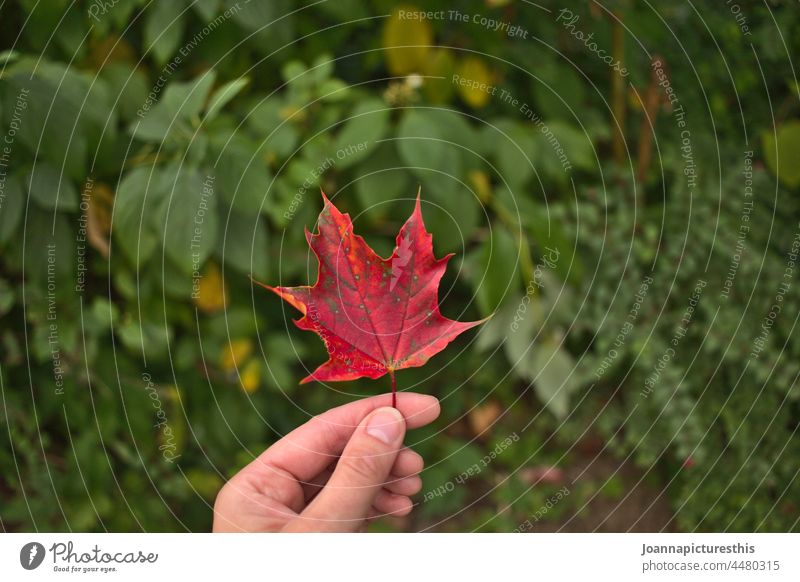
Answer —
618 181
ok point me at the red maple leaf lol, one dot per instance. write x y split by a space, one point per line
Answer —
374 315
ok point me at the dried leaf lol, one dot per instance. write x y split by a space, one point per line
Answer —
98 217
481 418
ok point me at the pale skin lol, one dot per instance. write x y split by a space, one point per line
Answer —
334 473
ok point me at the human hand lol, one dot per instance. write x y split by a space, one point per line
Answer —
333 473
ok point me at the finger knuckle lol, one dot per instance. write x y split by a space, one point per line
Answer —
362 466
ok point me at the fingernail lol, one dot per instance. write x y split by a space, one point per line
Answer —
386 424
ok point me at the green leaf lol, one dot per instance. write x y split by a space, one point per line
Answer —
498 327
6 297
70 33
157 124
12 200
170 116
514 151
104 313
382 179
223 95
197 149
204 483
49 250
547 232
524 324
152 338
293 72
265 115
781 152
163 29
577 146
270 22
420 142
8 56
242 178
175 283
367 124
50 190
133 225
207 9
278 137
187 99
127 84
282 142
551 368
243 244
43 130
496 276
559 91
321 69
427 143
347 10
334 90
43 19
121 13
188 219
453 212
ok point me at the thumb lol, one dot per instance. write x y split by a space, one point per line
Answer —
361 472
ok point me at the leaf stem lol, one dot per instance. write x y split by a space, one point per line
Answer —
394 389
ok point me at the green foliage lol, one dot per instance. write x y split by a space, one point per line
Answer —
165 152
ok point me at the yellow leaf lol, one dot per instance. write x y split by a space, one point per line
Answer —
480 181
209 291
781 151
476 92
439 64
407 41
234 353
251 376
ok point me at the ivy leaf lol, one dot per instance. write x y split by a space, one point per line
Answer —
374 315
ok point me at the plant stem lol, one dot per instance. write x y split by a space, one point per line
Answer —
647 130
394 389
618 94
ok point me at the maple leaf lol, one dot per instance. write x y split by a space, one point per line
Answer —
374 315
